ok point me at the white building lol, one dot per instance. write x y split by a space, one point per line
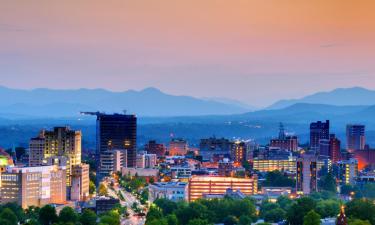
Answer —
174 191
150 160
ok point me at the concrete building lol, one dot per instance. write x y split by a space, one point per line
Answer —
306 181
318 130
239 152
119 160
355 137
203 185
115 131
215 148
150 160
152 147
61 141
285 142
178 147
225 168
34 186
174 191
287 164
141 161
348 171
80 182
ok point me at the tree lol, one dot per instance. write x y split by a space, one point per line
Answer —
92 187
198 222
154 214
171 219
284 202
88 217
167 206
312 218
111 218
9 216
103 191
230 220
361 209
47 215
368 190
328 208
274 215
299 209
244 220
358 222
68 215
327 183
277 179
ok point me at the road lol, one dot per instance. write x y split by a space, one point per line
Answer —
132 219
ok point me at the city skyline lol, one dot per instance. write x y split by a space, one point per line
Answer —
275 49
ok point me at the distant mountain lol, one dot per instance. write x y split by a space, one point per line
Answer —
230 101
340 97
68 103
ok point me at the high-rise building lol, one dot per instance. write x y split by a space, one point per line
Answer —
61 141
141 161
119 160
347 171
33 186
153 147
355 137
285 142
80 182
178 147
239 152
318 130
115 132
324 147
205 185
306 181
334 148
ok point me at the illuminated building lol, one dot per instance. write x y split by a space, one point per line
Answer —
285 142
348 171
61 141
154 148
174 191
334 148
140 161
225 168
119 160
178 147
34 186
318 130
116 131
239 152
267 165
206 185
80 182
306 181
355 137
5 160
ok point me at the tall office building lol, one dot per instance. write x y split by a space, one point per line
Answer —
334 148
115 132
306 181
355 137
318 130
215 148
61 141
80 182
239 152
33 186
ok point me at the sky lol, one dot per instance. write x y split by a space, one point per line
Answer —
255 51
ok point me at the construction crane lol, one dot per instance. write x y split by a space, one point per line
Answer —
91 113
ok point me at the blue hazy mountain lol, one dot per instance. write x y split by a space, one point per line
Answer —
148 102
340 96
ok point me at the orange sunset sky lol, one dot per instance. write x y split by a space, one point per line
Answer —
256 51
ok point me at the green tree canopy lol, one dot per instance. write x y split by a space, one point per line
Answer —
311 218
47 215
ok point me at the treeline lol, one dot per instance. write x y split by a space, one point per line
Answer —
228 211
13 214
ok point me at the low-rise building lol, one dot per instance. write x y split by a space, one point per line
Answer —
203 185
33 186
174 191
